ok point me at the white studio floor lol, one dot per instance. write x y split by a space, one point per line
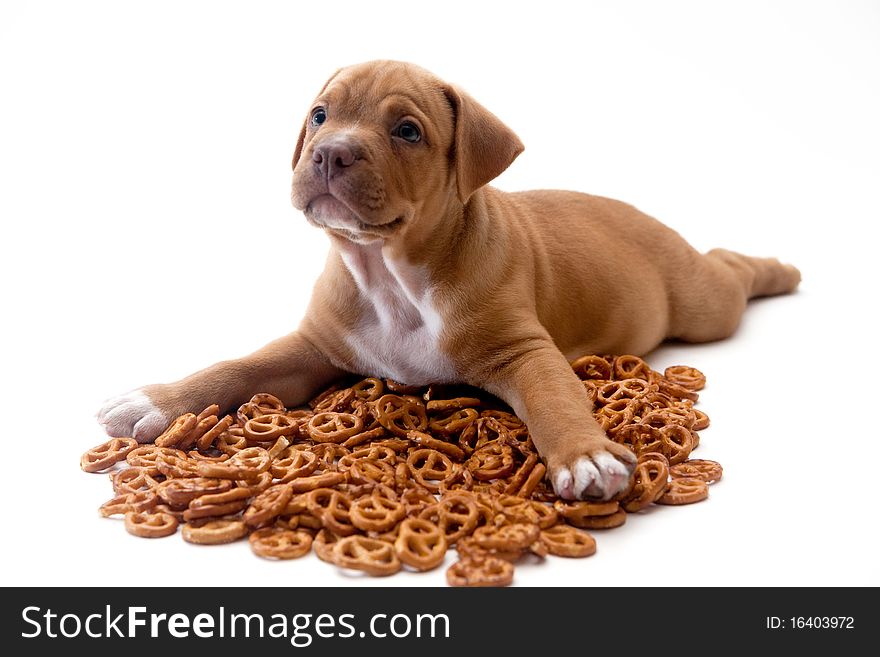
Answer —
145 167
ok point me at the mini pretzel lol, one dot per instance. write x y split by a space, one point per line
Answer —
702 420
456 404
672 415
370 555
517 536
174 466
323 545
214 532
592 367
365 437
687 377
145 457
702 469
454 422
180 492
256 485
107 454
369 389
294 463
604 522
455 513
614 416
132 480
138 501
485 570
267 505
684 491
264 428
245 464
177 431
485 430
519 477
194 512
623 389
640 438
231 443
268 403
377 512
565 541
305 484
420 544
275 543
678 442
429 467
579 514
493 460
630 367
329 427
150 525
649 483
399 414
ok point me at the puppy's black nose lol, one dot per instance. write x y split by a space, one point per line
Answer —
333 157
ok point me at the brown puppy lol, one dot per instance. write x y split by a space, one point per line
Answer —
435 277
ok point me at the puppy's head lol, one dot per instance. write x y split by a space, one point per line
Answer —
387 147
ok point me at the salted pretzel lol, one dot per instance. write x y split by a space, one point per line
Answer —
536 476
267 403
565 541
687 377
623 389
630 367
369 389
427 440
454 404
267 505
482 432
684 491
245 464
582 514
592 367
493 460
702 469
132 480
337 402
612 417
678 442
332 427
399 414
420 544
277 543
107 454
429 467
204 425
650 480
177 431
373 556
149 524
264 428
180 492
455 513
293 463
137 501
214 532
480 570
516 536
378 512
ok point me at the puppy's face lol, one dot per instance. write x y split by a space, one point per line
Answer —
387 147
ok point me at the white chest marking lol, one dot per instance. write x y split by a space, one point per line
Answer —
400 340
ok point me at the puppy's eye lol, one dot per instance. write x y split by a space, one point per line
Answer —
319 115
408 132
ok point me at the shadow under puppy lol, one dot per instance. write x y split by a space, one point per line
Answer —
435 277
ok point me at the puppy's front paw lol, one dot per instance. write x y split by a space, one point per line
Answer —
133 414
599 471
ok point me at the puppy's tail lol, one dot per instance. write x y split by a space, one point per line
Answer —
761 277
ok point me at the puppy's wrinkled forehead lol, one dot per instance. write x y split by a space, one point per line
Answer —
383 91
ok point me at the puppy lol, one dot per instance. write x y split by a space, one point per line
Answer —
435 277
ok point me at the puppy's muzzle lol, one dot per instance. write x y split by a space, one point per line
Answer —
333 156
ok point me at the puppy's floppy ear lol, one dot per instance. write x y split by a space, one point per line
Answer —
300 142
484 147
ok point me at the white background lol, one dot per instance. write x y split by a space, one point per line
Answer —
144 177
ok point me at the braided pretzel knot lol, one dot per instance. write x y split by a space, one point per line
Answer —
107 454
370 555
420 544
276 543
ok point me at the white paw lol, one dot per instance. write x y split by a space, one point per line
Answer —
596 476
132 414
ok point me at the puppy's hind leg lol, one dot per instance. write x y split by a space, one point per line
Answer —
710 295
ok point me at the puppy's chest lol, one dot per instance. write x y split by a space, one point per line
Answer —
398 335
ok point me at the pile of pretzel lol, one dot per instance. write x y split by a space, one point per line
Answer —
377 476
